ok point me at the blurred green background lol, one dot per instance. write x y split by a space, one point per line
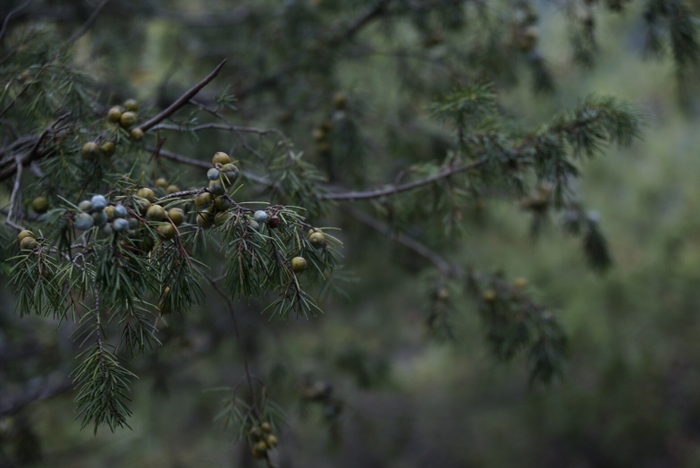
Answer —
630 393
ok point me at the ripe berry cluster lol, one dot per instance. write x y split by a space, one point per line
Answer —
126 117
262 439
128 212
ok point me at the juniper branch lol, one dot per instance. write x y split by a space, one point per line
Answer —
182 100
547 346
370 194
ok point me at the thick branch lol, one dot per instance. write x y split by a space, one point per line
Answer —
182 100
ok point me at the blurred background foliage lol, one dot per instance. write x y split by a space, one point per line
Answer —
386 394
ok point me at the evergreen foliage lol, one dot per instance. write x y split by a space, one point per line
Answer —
124 272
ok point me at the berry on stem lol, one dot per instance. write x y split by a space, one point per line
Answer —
204 218
520 282
260 216
40 205
131 105
216 188
99 217
114 114
99 202
84 221
259 449
120 225
202 200
120 211
271 441
155 213
146 193
222 203
90 150
230 171
24 234
127 120
136 134
299 264
273 222
85 205
220 158
167 231
28 243
108 148
176 215
213 174
317 239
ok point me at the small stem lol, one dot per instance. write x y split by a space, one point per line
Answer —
237 333
445 268
79 33
13 197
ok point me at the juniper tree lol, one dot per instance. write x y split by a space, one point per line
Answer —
120 214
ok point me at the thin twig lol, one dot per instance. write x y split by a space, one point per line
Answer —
238 129
9 15
445 268
12 103
182 100
392 190
379 9
178 158
203 164
40 391
217 126
236 330
355 27
79 33
34 151
13 197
